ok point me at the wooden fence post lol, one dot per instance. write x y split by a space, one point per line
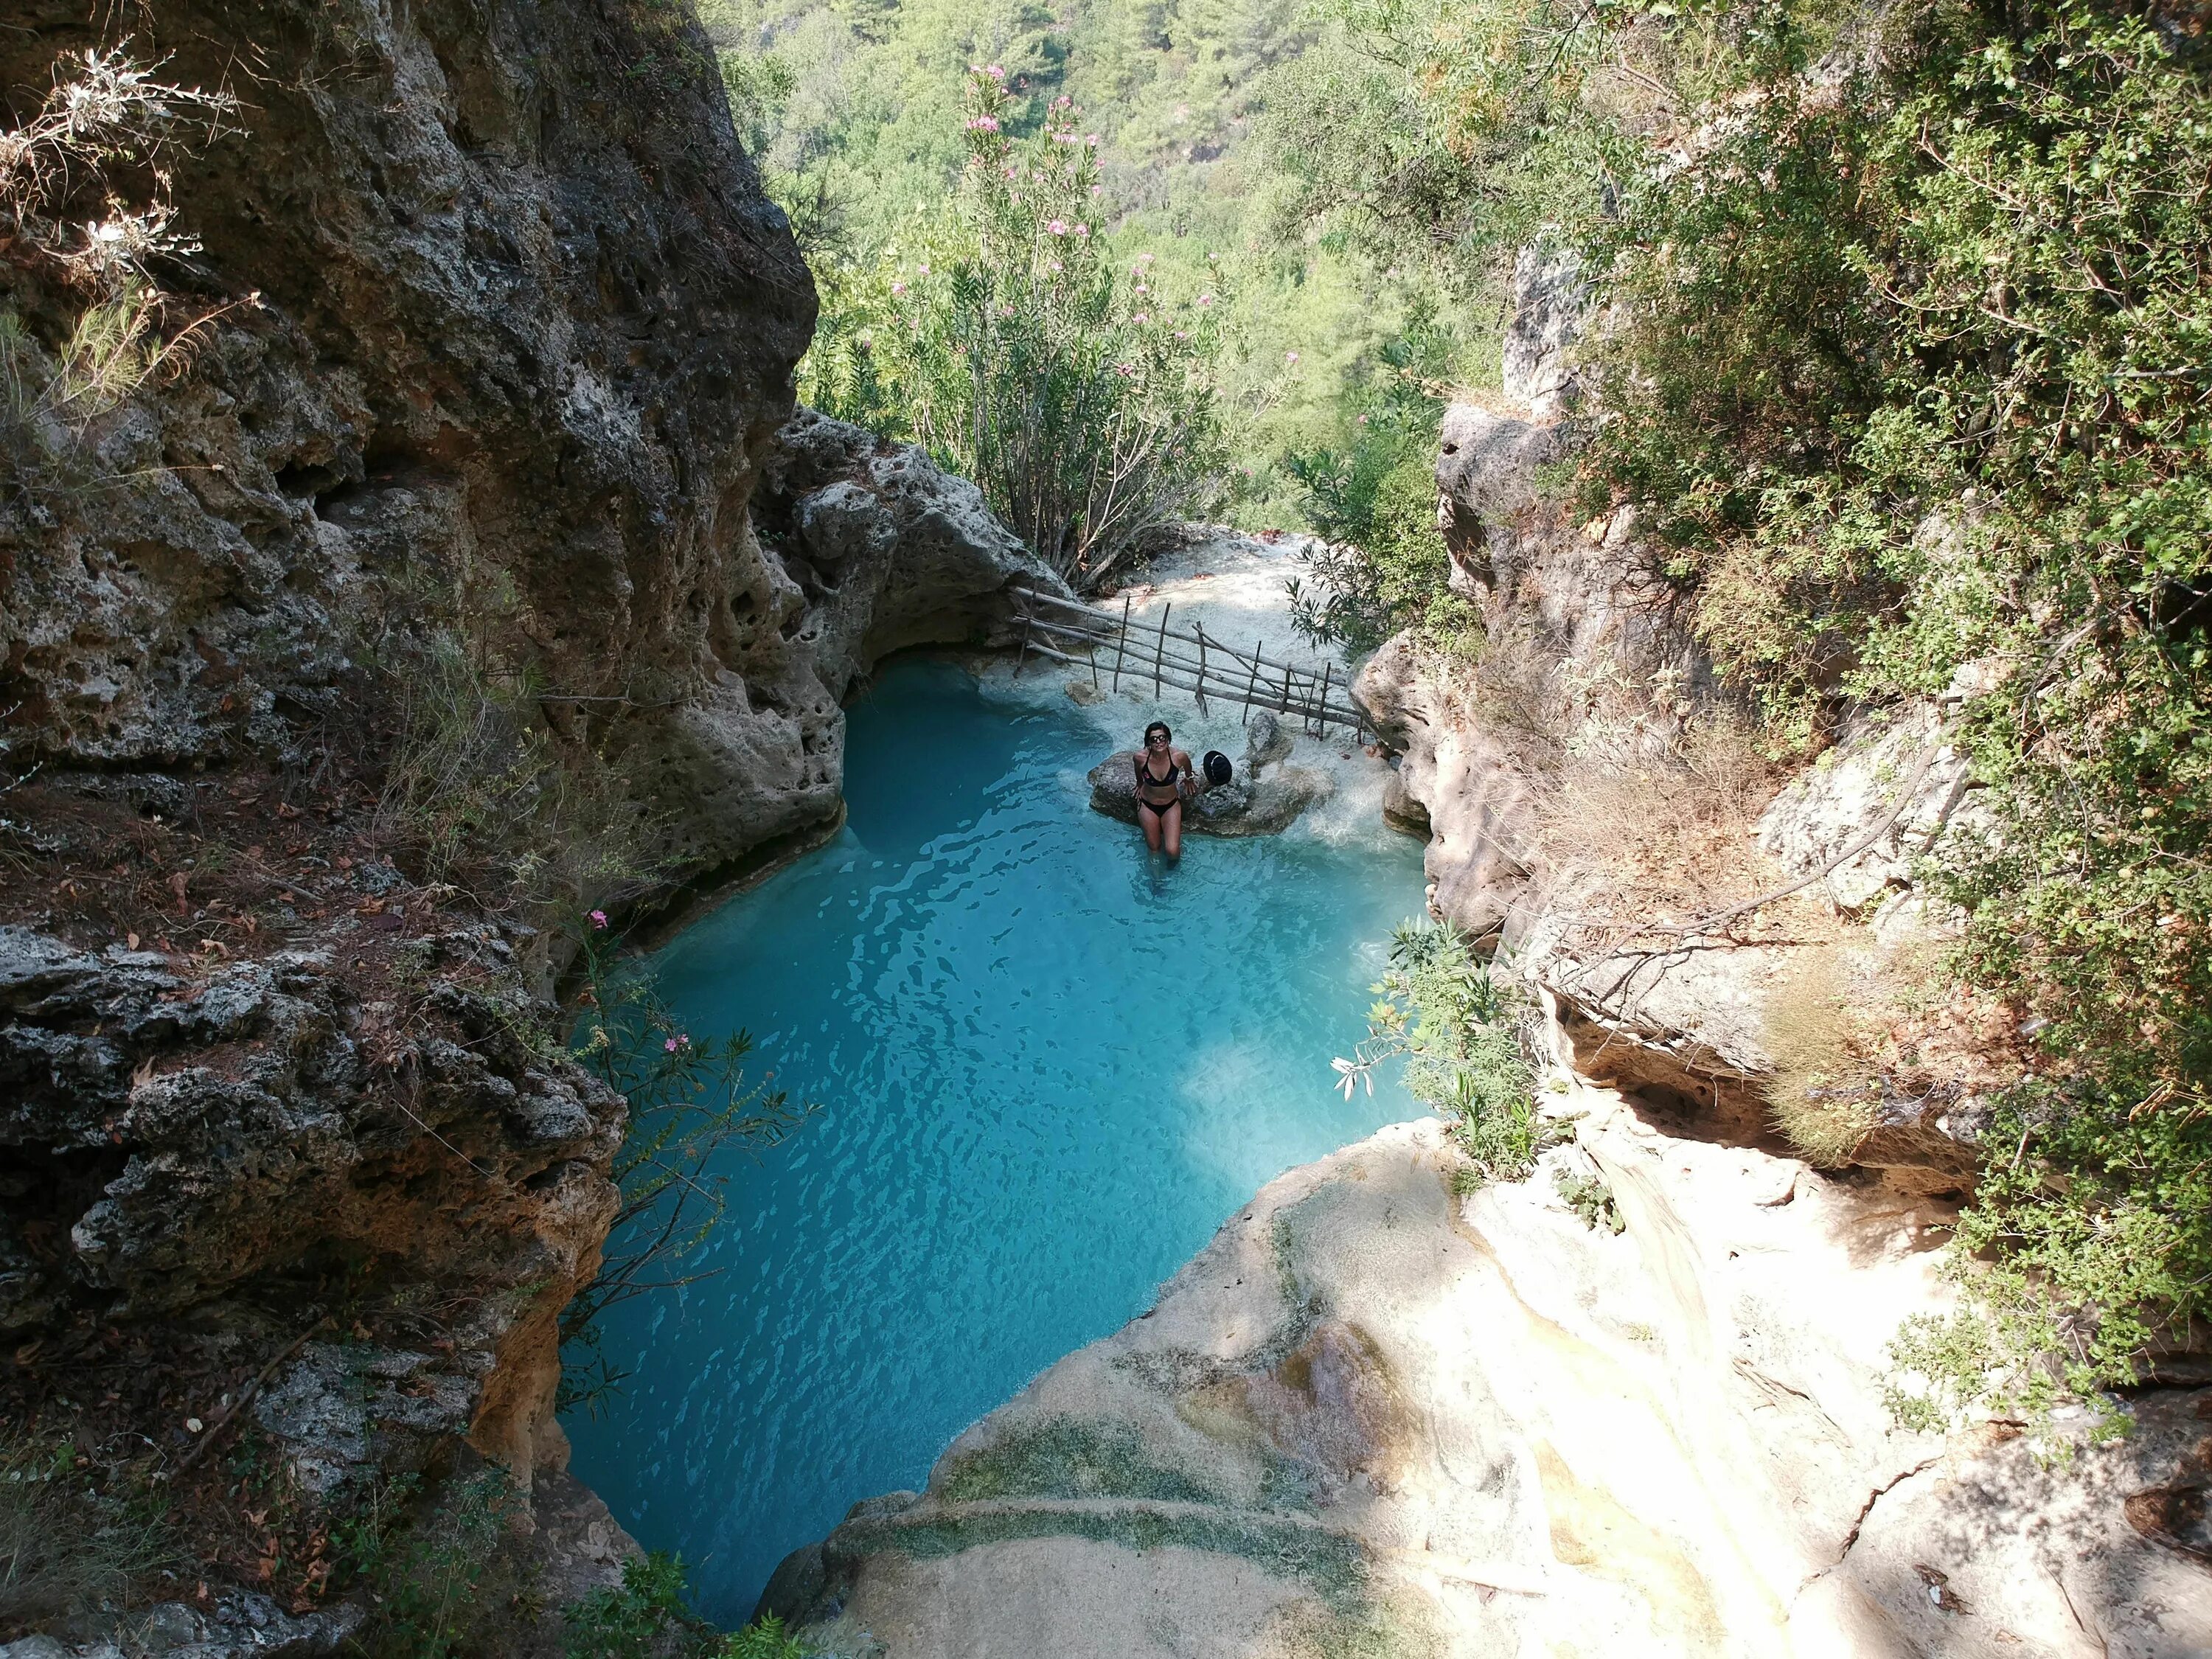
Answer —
1321 720
1253 685
1120 641
1029 622
1201 668
1160 651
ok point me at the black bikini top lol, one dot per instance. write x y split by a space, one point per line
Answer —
1146 781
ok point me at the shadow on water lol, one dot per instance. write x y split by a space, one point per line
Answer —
1050 1064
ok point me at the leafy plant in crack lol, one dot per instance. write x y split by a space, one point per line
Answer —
1461 1031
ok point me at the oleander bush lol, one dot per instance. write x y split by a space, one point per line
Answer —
1080 397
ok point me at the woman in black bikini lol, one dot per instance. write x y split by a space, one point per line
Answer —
1160 793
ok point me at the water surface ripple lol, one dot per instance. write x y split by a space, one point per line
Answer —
1050 1066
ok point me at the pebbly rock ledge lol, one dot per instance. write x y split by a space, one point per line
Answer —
1373 1417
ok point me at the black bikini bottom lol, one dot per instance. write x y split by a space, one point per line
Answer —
1159 812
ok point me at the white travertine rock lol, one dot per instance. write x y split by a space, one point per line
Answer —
1835 802
1370 1412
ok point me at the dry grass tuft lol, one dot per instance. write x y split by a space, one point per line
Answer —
66 1545
1646 827
1826 1095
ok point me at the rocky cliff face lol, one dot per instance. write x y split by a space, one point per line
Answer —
288 1142
503 293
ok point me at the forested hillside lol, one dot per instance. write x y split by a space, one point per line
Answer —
857 111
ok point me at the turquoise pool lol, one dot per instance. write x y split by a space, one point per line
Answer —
1050 1066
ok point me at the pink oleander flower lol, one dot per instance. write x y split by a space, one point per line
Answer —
984 123
1058 226
1056 265
1362 420
677 1044
1182 334
599 919
1141 289
1290 356
1142 317
1083 230
995 72
924 270
1206 299
1125 369
1096 189
898 288
1091 139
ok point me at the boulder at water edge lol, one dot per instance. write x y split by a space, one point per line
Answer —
1239 807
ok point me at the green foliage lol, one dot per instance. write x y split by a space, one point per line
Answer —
1591 1198
1373 498
629 1620
2097 1221
1461 1030
765 1638
1070 1457
1915 379
475 781
1434 133
1083 402
432 1568
690 1102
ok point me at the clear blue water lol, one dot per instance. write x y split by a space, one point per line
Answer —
1050 1064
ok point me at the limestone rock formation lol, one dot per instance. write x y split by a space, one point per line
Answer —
173 1141
1550 297
1242 807
498 336
1266 743
1375 1417
507 318
1588 654
1855 790
512 331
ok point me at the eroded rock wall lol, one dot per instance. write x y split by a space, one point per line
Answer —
497 322
499 294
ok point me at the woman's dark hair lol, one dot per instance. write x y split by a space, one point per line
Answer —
1160 726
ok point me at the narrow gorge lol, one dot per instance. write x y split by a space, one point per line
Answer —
419 573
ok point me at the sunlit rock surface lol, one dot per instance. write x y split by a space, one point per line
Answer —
1372 1416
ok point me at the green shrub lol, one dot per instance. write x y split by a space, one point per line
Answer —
477 784
1082 402
1904 369
765 1638
1461 1032
1917 372
1591 1198
1374 500
67 1542
438 1575
629 1621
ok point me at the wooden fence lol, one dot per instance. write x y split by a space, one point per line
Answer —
1193 660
